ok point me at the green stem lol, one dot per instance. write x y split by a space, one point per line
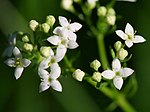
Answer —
102 51
116 96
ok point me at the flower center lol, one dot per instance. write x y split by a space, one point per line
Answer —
18 61
117 73
52 60
130 37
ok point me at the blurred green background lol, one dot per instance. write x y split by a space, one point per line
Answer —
22 95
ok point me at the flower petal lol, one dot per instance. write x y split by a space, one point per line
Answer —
63 21
129 43
55 71
72 36
18 71
118 82
75 26
129 29
16 53
8 51
108 74
44 75
55 84
26 62
44 86
138 39
72 44
116 65
121 34
125 72
44 64
60 53
55 40
57 30
11 62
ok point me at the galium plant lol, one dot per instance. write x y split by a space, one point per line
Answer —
49 44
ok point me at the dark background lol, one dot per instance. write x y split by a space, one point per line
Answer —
22 95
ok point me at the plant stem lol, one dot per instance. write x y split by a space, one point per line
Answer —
116 96
102 51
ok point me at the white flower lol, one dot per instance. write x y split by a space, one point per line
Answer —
17 62
78 75
69 26
127 0
129 36
117 73
50 79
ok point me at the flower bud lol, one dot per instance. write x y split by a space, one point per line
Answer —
78 75
118 45
33 25
97 76
28 47
111 19
25 38
45 51
45 27
50 20
95 64
92 4
122 54
111 11
102 11
67 5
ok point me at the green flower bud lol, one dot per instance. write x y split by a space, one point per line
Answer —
111 11
122 54
78 75
95 64
45 51
117 45
45 27
50 20
28 47
25 38
33 25
102 11
111 19
97 76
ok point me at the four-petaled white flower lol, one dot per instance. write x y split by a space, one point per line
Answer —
50 79
18 62
117 73
129 36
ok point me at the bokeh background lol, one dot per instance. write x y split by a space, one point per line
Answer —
22 95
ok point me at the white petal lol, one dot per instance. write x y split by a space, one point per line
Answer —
18 71
63 21
75 26
72 36
44 86
138 39
11 62
116 65
64 33
129 29
44 64
108 74
129 43
121 34
125 72
55 71
43 74
72 44
55 84
26 62
60 53
118 82
55 40
16 53
57 30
